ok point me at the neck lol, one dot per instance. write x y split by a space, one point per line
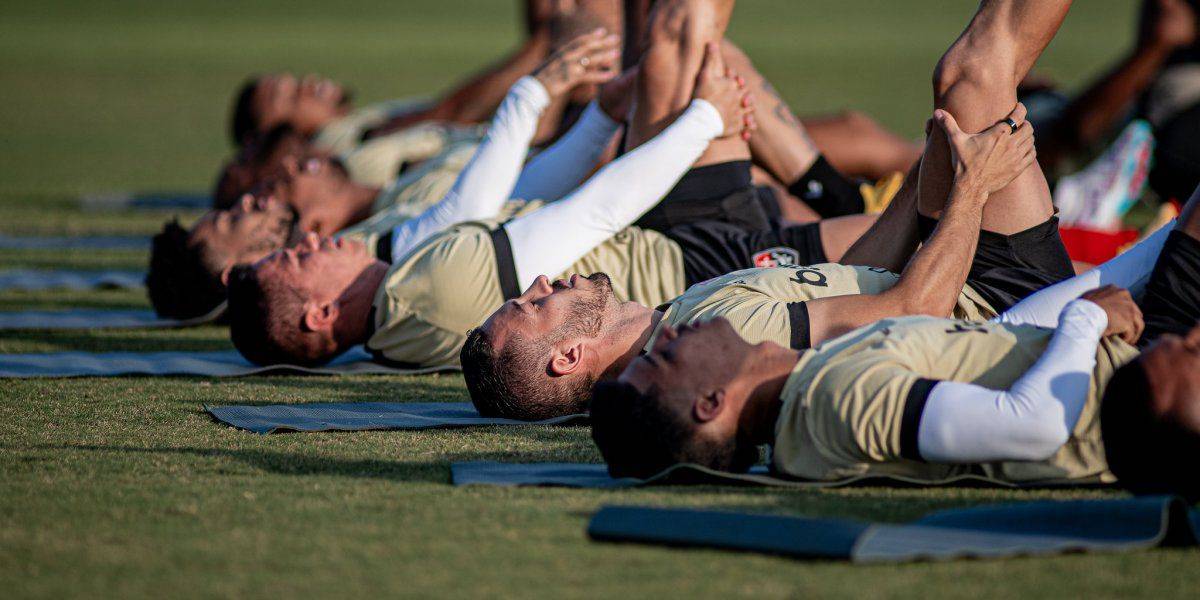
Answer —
353 325
624 341
765 383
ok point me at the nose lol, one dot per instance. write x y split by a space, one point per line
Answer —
247 202
312 241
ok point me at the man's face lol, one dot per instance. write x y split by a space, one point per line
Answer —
691 360
1172 367
318 269
307 183
308 104
578 303
249 230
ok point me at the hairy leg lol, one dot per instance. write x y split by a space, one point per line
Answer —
858 146
976 81
677 33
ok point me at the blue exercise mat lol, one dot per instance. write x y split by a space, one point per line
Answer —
39 279
92 318
993 531
363 416
148 200
223 363
80 242
582 475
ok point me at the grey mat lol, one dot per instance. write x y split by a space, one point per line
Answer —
38 279
224 363
596 476
149 200
363 416
84 242
994 531
88 318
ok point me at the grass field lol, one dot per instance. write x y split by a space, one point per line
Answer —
123 487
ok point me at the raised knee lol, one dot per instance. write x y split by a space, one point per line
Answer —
857 121
682 23
961 68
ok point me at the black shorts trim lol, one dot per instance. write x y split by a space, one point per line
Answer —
800 339
713 248
383 247
1007 268
506 268
1172 300
910 420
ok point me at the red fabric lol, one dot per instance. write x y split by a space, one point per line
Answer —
1095 246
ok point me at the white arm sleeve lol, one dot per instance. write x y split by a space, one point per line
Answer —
1129 270
967 423
552 238
559 168
487 180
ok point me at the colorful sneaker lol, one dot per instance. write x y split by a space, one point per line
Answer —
1099 196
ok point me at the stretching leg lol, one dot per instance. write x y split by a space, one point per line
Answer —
976 81
677 32
858 146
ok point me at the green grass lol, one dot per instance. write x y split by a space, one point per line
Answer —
123 487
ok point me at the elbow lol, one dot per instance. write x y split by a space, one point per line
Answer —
1045 435
922 303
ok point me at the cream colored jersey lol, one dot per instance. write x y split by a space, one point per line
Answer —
343 134
449 284
844 404
378 162
412 193
763 304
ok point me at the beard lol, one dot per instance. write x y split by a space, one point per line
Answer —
589 309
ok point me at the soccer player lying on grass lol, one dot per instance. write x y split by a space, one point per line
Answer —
322 109
308 304
997 235
1051 392
188 269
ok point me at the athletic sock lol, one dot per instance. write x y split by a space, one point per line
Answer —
827 191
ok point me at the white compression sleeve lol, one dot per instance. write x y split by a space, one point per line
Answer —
1129 270
486 182
967 423
561 167
550 239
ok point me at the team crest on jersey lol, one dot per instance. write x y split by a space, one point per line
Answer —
779 256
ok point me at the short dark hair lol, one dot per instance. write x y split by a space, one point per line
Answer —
251 166
1148 453
513 383
182 282
265 322
244 121
639 437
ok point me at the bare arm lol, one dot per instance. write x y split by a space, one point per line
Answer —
1167 25
931 282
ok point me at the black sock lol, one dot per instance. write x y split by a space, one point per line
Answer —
827 191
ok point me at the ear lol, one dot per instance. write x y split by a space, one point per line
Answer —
320 317
225 275
567 358
709 406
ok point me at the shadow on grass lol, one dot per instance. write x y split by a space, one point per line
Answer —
342 390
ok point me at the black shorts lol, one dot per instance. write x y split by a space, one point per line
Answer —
1172 300
713 248
1007 268
720 192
